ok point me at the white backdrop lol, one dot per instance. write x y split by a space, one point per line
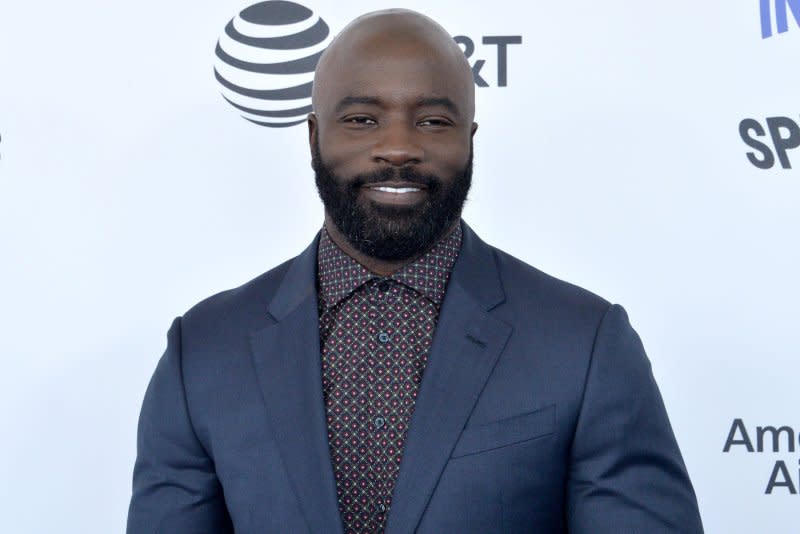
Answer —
129 190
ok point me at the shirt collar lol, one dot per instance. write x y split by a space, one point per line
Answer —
339 275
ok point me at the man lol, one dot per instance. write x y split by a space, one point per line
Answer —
401 375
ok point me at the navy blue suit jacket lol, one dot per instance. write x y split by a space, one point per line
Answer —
537 413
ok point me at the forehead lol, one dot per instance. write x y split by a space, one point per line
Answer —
396 73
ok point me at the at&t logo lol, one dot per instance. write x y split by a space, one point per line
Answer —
501 42
266 59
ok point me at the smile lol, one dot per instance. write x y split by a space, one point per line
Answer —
397 193
388 189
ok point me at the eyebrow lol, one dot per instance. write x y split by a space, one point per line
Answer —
421 102
442 101
351 100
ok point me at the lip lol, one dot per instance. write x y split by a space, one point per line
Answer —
405 198
396 184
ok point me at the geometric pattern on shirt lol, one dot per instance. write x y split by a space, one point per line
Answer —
375 336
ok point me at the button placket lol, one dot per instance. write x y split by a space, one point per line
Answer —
378 378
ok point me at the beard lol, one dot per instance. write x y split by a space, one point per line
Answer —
391 233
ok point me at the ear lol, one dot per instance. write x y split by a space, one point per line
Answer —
311 120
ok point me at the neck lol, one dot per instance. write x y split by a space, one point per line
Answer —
375 265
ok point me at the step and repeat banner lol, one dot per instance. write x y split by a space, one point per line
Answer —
153 153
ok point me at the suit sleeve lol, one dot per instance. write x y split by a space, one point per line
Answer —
626 472
175 488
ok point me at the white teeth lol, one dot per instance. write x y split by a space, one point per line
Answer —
397 189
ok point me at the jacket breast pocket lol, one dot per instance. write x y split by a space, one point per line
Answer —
509 431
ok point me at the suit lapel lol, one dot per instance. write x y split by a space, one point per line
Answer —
466 346
288 364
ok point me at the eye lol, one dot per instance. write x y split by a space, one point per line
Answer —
359 120
435 122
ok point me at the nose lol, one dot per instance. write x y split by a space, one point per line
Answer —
398 145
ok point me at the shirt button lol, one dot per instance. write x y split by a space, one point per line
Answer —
383 337
381 508
379 422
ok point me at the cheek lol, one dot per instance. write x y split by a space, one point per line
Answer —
345 157
350 153
339 147
451 149
451 158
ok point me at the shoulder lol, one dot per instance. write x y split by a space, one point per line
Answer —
529 290
247 305
240 308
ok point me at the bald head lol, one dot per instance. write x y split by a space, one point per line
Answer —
376 40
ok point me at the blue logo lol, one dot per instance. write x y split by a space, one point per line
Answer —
781 15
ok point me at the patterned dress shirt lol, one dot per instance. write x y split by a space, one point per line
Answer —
375 335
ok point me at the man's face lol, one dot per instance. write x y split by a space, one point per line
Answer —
391 148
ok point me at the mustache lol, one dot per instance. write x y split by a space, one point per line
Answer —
401 174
